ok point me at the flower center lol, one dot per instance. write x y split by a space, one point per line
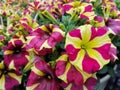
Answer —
48 76
17 50
83 46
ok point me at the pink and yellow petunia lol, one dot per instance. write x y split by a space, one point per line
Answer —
36 6
72 78
88 48
85 10
88 85
110 9
9 77
28 23
42 77
90 0
44 38
68 73
16 52
98 21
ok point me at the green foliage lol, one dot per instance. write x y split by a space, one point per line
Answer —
116 40
98 8
118 3
1 55
104 70
71 22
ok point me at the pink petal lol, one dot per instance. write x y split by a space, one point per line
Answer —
90 65
90 83
104 51
72 52
75 76
75 33
10 82
60 68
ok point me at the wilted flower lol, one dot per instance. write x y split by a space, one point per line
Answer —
88 48
42 77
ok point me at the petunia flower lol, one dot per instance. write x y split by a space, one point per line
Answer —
54 7
36 6
2 41
68 73
88 48
16 52
44 38
85 10
90 0
42 77
98 21
113 53
113 26
9 77
28 23
88 85
5 9
110 9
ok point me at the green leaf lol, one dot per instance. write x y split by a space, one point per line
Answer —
103 70
111 72
116 40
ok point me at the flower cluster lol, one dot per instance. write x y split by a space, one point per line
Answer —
56 44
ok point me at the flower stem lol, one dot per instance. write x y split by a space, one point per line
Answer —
36 16
1 19
50 17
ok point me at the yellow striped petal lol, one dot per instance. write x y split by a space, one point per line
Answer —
98 41
45 45
85 33
38 72
78 61
64 76
68 87
1 65
13 75
76 42
97 56
32 87
59 30
8 52
11 65
44 28
2 82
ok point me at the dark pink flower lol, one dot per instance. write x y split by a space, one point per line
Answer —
9 77
42 77
88 85
68 73
43 39
16 52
